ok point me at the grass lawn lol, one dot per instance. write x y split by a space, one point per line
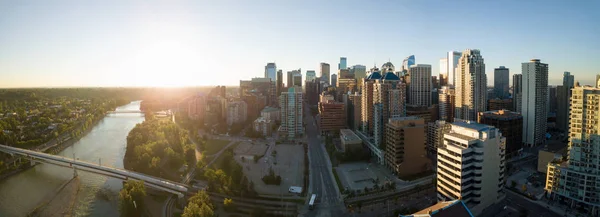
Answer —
214 145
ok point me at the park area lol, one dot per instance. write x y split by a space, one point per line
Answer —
214 145
260 159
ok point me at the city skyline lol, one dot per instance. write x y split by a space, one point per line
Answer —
79 44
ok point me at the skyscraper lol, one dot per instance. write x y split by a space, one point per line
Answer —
471 85
510 125
501 82
517 92
408 62
271 71
290 103
334 80
447 103
576 181
342 64
451 63
470 165
310 75
291 75
563 95
405 146
443 71
420 85
279 85
359 72
534 106
388 104
324 68
297 79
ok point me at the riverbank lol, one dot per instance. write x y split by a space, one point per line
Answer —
59 203
53 150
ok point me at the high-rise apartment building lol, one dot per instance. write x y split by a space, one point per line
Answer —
534 106
311 75
408 62
435 136
517 92
470 165
292 78
236 112
510 125
343 63
354 111
446 103
443 71
420 85
471 85
577 180
271 71
290 103
501 82
297 79
563 96
390 103
405 146
452 58
325 69
344 86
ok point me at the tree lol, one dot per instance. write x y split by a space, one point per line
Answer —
195 210
131 198
228 204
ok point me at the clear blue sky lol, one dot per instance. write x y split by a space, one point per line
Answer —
141 43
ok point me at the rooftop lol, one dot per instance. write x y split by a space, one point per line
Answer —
504 114
455 208
471 125
391 76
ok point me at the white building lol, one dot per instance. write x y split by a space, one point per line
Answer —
452 58
534 102
236 112
420 85
291 113
471 86
270 113
470 165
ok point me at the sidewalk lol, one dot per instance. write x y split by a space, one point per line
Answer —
558 208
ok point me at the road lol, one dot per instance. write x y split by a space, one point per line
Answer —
519 202
329 201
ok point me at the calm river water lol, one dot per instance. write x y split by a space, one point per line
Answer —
98 195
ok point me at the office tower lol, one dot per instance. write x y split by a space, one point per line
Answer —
344 86
258 87
429 114
435 96
420 85
310 75
443 72
576 180
446 103
345 73
563 95
290 103
408 62
510 125
334 80
354 111
435 136
324 68
311 89
332 116
534 102
435 82
359 72
501 82
271 71
405 146
451 66
471 85
470 165
297 79
517 92
236 112
500 104
342 64
279 86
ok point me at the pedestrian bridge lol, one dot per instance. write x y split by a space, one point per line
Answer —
150 181
125 112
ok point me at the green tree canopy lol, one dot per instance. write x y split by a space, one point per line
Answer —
131 198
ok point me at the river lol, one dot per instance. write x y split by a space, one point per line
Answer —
98 195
